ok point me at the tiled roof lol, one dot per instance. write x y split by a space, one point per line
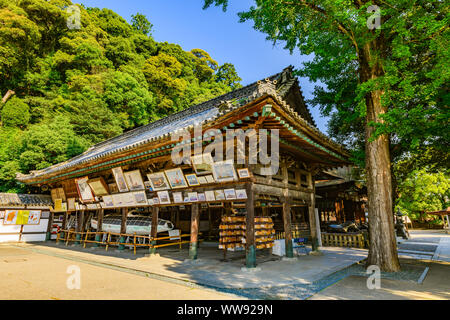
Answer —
21 200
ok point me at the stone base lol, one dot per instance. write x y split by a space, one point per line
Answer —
289 259
316 253
245 269
194 262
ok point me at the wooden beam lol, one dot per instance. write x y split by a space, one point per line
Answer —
64 225
195 219
276 191
287 224
154 230
314 223
210 222
123 227
250 247
49 227
100 214
80 218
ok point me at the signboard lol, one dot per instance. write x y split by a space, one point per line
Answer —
22 217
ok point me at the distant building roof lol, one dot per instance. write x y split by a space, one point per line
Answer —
8 200
440 212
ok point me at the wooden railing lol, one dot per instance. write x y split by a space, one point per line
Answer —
295 234
344 240
113 239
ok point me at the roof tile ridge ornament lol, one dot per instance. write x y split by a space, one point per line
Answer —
265 87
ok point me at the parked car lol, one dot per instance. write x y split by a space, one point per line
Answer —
348 226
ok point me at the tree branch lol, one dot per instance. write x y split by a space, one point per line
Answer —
7 95
340 26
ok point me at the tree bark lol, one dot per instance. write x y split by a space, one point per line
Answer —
383 243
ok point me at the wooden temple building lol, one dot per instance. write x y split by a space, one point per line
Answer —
275 103
340 199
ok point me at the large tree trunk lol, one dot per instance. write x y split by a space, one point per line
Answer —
383 243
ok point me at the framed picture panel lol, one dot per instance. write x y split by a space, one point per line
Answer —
134 180
98 186
158 181
176 178
202 163
192 180
120 179
223 171
84 190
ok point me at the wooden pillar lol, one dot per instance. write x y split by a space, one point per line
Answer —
448 224
154 230
250 229
287 223
319 233
123 228
195 219
80 218
48 236
293 216
314 223
173 213
177 224
227 206
98 236
210 223
64 222
63 225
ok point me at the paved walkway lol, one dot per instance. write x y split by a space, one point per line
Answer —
426 245
336 270
28 275
427 248
443 251
436 286
209 270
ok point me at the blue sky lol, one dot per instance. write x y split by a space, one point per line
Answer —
219 33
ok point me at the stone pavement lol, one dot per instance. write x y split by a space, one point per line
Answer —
443 251
27 275
426 245
436 286
427 248
209 270
275 278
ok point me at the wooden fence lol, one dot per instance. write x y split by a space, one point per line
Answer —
113 239
295 234
352 240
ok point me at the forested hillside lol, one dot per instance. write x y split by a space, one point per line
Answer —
76 87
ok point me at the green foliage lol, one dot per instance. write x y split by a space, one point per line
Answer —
77 87
52 142
227 74
141 24
423 191
411 58
15 113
